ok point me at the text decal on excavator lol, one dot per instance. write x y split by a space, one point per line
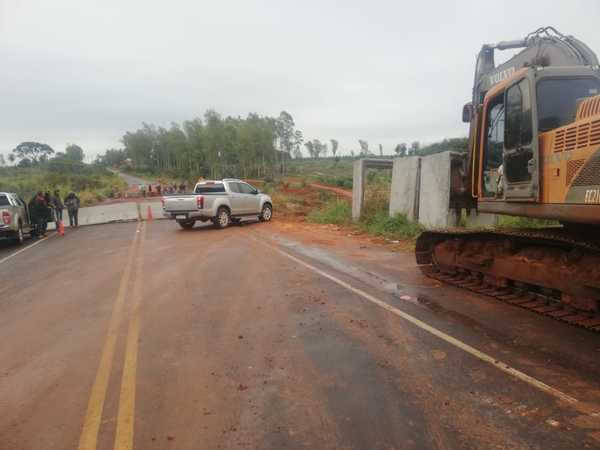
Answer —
502 75
592 196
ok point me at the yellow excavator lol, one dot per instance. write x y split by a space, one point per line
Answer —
534 151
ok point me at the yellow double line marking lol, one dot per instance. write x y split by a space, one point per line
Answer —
125 420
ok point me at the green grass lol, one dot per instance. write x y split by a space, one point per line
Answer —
375 222
91 183
338 212
396 227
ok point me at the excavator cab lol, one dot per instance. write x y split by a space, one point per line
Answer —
508 159
513 141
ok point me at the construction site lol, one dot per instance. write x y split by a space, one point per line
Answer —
202 320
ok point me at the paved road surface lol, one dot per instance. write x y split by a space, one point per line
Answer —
133 181
273 336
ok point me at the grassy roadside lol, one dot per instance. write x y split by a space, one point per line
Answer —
373 222
92 184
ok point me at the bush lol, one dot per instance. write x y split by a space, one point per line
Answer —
341 181
88 198
338 212
92 182
396 227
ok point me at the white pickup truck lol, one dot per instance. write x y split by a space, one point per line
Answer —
15 219
223 202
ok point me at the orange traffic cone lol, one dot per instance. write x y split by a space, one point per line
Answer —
149 213
61 228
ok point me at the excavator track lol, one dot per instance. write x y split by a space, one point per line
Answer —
554 272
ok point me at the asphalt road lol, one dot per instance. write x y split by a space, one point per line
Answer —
133 181
265 336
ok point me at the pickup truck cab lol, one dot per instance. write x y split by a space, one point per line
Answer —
220 201
15 220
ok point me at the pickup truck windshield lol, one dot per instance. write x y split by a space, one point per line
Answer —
210 188
4 200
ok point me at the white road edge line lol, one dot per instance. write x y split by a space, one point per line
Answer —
447 338
3 260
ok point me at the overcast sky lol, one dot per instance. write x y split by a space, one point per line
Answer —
386 71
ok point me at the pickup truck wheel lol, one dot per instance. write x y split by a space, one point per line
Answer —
223 218
187 225
266 214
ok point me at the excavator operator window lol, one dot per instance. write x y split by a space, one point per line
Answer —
519 134
494 146
557 99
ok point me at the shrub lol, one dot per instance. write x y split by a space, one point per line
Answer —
338 212
396 227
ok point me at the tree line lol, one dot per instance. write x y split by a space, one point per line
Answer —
214 146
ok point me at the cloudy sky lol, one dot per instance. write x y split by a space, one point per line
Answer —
77 71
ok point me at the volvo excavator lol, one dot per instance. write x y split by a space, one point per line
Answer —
534 152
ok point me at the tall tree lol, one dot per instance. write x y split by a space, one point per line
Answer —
74 152
414 147
298 140
317 148
380 150
400 149
364 147
334 146
310 148
284 127
35 152
2 160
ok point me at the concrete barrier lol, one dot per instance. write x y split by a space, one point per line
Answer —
116 212
404 195
434 192
421 191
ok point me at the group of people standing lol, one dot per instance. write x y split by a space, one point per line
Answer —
44 208
157 189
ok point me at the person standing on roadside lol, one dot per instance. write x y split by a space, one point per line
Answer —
49 214
58 206
72 204
38 210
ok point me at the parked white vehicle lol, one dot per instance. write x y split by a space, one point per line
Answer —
14 217
221 201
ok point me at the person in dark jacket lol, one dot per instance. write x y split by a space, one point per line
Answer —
49 213
58 207
72 204
38 208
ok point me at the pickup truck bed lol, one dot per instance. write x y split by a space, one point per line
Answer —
14 217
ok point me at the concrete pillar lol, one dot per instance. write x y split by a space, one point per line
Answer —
434 198
404 195
358 188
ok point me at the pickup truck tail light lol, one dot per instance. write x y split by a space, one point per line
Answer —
6 218
200 202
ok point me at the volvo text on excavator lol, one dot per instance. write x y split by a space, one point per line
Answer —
534 151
